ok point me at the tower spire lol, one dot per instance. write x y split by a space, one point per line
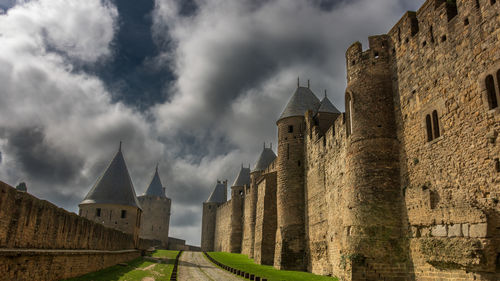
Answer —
308 83
298 81
120 147
325 93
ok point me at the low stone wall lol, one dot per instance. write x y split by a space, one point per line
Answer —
41 265
39 241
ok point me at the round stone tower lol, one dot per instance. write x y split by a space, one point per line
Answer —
372 196
155 211
217 197
290 235
112 200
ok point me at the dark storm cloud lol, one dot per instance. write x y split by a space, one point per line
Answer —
218 73
41 159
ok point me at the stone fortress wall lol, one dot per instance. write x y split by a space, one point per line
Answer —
405 185
39 241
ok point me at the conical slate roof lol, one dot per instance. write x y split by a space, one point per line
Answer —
219 195
302 100
266 157
155 187
243 177
327 106
114 186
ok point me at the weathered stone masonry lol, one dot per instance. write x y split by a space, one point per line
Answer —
405 185
39 241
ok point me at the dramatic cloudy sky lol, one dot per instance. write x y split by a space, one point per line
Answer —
194 85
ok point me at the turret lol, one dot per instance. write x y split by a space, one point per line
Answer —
372 196
237 202
216 198
112 200
156 211
248 244
290 234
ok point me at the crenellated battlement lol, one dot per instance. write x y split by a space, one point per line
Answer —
377 55
404 184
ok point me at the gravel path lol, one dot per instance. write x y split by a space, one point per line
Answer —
194 266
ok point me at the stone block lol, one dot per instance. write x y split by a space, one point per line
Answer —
478 230
455 230
465 229
439 231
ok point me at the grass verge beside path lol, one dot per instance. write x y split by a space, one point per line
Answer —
242 262
136 270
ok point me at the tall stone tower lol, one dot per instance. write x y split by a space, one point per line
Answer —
112 200
290 234
266 157
155 211
373 212
237 201
217 197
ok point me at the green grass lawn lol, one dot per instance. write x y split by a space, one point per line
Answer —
242 262
135 270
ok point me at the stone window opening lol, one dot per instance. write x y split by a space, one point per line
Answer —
491 92
428 124
477 5
348 103
98 212
298 163
124 214
493 2
466 21
431 33
497 165
287 151
290 128
376 55
435 124
443 38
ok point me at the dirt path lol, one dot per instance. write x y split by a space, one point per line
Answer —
194 266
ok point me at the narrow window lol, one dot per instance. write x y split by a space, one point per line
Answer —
98 212
477 4
287 151
399 35
435 123
298 163
431 33
349 114
493 2
428 124
290 128
490 88
124 214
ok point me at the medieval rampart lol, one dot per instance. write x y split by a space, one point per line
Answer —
39 241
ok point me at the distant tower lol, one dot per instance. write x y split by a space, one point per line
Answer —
327 114
290 235
237 198
112 200
217 197
155 211
248 244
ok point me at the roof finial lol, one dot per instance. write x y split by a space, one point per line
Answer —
264 145
308 83
271 145
120 147
157 166
242 165
298 81
325 93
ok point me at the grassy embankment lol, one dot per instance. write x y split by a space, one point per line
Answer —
242 262
136 269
